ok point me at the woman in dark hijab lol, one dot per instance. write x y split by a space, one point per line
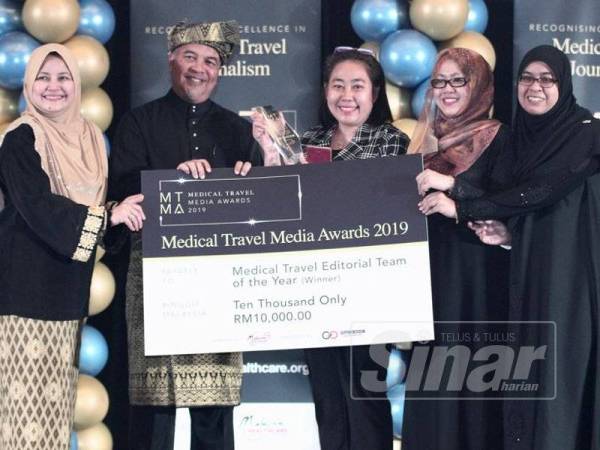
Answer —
553 212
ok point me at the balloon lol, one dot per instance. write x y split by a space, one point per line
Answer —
478 16
51 20
373 20
102 289
73 445
404 345
22 103
9 105
439 19
396 371
97 19
407 126
407 57
396 397
100 252
107 143
373 46
95 438
92 59
399 101
93 354
10 15
97 107
15 50
91 404
476 42
418 98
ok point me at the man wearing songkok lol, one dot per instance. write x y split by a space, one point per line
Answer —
183 130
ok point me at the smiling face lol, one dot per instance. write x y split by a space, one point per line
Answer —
349 94
194 71
53 89
536 99
451 101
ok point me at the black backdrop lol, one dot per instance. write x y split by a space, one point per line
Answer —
336 30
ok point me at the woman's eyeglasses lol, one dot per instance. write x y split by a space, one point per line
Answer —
364 51
440 83
546 81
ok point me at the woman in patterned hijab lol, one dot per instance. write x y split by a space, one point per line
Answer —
461 148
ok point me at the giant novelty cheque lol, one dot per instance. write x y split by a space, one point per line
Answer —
287 257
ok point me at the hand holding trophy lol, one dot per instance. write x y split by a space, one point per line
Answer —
276 137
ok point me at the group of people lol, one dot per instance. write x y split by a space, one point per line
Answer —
533 189
537 193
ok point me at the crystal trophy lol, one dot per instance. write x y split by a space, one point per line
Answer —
285 138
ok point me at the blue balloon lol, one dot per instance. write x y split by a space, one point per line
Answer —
74 443
15 50
396 371
22 103
107 142
407 57
94 351
477 19
373 20
396 397
96 19
10 15
418 98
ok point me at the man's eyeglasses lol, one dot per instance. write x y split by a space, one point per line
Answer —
364 51
546 81
440 83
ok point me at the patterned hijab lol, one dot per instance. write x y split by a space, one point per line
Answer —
452 144
71 148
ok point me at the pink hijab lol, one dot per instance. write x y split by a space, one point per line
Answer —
71 148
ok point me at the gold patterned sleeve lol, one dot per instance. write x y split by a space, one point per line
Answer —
67 228
94 225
